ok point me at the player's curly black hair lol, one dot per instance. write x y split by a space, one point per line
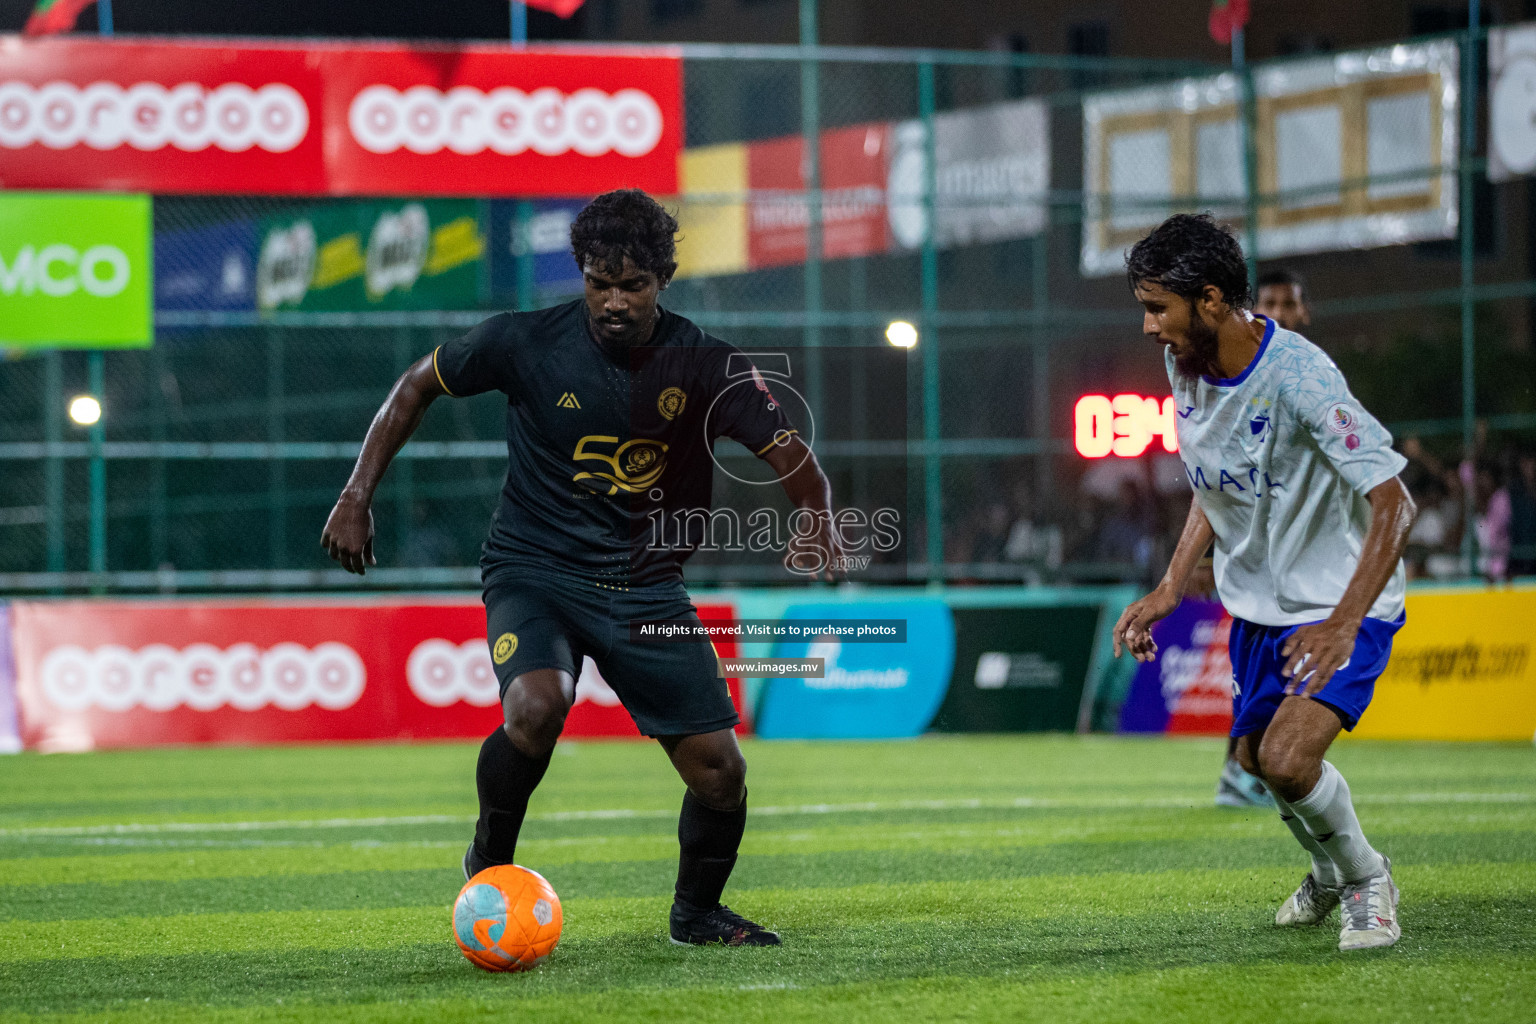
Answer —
1185 253
626 222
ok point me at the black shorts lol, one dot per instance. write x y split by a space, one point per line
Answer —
537 619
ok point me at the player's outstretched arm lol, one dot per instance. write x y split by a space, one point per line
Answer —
807 486
348 533
1134 630
1325 646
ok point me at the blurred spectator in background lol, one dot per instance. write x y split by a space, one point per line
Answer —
1522 521
1125 531
1427 539
1491 504
1435 542
1033 540
1283 298
989 540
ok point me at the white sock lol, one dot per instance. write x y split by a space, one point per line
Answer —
1323 869
1329 816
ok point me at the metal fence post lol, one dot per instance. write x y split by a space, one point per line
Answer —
519 28
522 246
53 467
810 133
158 526
97 371
1249 126
277 468
1468 254
1040 369
928 335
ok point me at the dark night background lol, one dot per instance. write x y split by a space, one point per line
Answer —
1173 29
484 19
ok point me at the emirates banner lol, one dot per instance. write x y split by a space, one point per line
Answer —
313 119
130 674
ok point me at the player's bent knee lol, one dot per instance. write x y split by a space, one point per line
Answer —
1289 773
720 782
534 713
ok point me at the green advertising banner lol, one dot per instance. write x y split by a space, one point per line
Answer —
75 271
1018 669
358 256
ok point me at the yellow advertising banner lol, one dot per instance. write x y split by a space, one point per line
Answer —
1462 668
712 215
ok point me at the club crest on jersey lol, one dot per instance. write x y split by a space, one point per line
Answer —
1341 419
634 466
506 646
640 460
1259 424
670 403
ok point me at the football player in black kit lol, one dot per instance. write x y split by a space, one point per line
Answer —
613 404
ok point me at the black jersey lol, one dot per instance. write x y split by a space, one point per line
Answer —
607 450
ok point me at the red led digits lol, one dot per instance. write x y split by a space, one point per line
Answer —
1124 425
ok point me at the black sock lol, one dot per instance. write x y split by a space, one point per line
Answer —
709 841
505 777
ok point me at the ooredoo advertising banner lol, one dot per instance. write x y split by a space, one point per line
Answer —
10 723
121 674
310 119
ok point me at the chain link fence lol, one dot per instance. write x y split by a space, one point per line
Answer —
985 198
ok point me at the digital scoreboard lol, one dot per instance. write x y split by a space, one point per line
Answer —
1125 425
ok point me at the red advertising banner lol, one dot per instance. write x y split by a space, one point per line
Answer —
1204 681
162 116
853 174
131 674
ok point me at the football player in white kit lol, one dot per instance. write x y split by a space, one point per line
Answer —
1298 487
1283 299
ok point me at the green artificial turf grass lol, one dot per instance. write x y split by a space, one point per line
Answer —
988 878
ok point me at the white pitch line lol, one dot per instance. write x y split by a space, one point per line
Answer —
627 813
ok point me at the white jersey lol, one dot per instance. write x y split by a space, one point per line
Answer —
1281 458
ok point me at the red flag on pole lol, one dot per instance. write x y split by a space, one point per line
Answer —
1227 16
51 16
560 8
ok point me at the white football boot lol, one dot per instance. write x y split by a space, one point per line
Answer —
1369 909
1311 903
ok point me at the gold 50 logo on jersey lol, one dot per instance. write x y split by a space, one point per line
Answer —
633 466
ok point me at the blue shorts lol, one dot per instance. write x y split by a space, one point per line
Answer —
1258 687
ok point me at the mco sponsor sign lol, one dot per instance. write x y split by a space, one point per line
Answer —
118 674
162 116
75 270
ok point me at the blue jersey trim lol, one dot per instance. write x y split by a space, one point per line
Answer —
1232 382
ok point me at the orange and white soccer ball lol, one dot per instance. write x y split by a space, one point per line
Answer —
507 918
